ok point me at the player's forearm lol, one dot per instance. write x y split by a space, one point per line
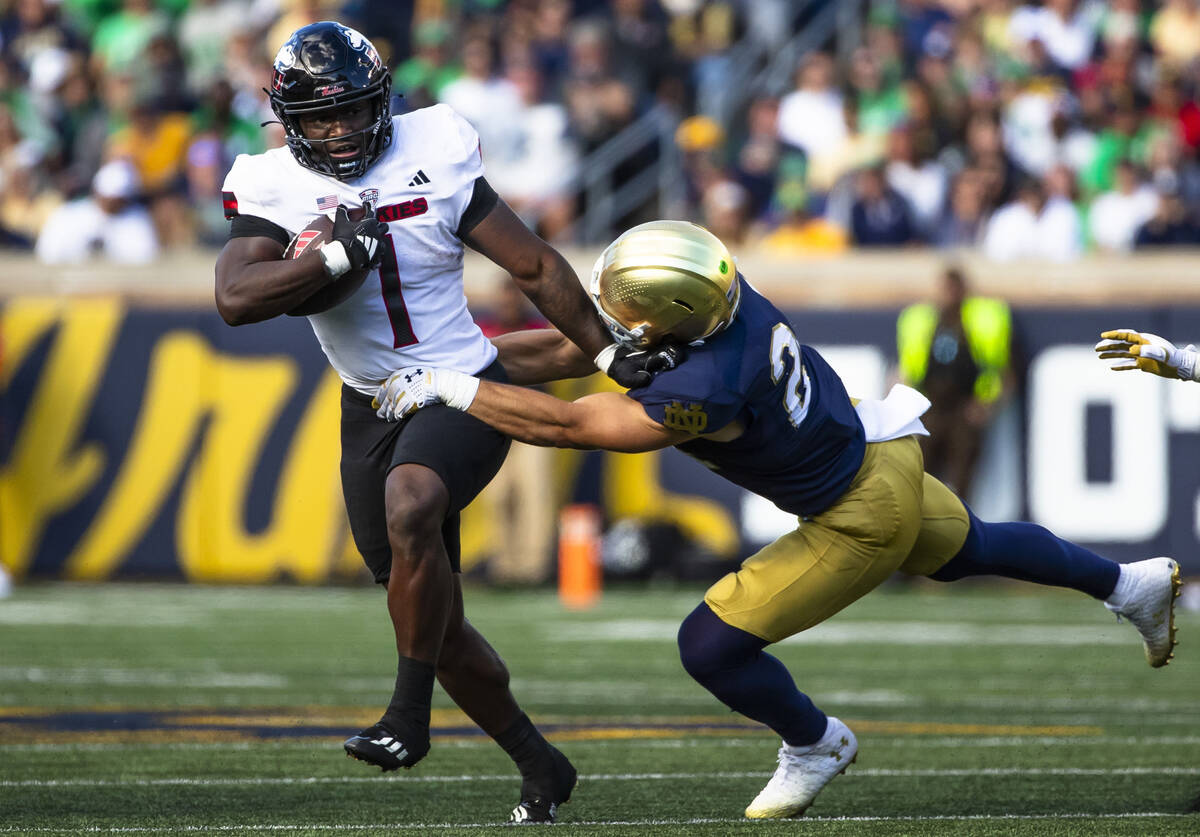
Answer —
527 415
256 291
558 294
541 355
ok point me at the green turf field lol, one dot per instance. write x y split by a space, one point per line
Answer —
979 710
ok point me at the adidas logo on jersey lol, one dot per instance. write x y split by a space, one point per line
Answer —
419 179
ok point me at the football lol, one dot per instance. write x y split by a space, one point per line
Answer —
336 292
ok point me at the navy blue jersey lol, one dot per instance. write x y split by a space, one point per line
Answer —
803 441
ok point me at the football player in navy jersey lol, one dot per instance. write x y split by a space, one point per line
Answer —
767 412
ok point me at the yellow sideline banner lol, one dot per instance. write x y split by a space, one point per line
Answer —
159 442
156 441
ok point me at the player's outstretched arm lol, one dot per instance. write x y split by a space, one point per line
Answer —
542 274
603 421
543 355
1149 353
607 420
538 356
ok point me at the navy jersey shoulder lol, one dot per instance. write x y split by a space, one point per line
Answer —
801 442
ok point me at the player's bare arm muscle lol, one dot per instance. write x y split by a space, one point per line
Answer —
542 274
606 420
255 282
541 355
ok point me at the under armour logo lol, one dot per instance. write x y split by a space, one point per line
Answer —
414 375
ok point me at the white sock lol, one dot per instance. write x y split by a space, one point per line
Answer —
1125 585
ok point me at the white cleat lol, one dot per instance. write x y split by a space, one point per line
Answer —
1145 595
803 772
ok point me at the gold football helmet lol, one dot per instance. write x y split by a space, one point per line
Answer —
665 279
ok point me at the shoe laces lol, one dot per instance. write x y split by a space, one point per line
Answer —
788 762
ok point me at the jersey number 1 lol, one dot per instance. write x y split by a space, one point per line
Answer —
393 297
784 342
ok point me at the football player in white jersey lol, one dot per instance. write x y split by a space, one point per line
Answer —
404 484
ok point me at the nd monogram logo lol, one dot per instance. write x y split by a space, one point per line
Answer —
690 419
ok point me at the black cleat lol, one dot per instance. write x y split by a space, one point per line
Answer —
386 749
541 796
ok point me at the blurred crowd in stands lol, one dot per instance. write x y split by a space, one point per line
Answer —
1028 130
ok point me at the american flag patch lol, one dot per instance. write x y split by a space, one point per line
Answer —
326 203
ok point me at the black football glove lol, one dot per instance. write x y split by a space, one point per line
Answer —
633 368
360 244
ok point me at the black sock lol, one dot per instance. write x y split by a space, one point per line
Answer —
412 696
525 746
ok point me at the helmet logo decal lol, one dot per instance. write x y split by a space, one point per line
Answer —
331 90
359 43
286 57
355 37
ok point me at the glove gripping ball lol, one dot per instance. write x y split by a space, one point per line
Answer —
310 239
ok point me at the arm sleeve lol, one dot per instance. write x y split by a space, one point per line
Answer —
251 226
686 399
483 200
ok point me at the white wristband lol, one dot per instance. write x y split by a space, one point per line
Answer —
1189 369
336 260
455 389
605 358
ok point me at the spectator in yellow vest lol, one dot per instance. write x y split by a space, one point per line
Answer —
957 351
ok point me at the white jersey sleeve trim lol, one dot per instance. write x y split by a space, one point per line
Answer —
255 190
464 157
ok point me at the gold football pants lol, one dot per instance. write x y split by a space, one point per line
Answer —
893 517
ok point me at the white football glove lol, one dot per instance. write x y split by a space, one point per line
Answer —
1149 353
413 387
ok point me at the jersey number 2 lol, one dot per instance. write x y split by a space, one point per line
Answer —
784 342
393 297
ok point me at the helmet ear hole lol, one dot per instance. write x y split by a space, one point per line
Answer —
683 304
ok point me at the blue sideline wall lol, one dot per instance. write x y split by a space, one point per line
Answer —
158 442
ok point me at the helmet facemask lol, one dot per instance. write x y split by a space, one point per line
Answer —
314 153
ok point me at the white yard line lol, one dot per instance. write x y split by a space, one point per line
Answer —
751 740
405 827
595 777
869 631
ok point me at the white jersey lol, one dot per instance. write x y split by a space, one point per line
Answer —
412 310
